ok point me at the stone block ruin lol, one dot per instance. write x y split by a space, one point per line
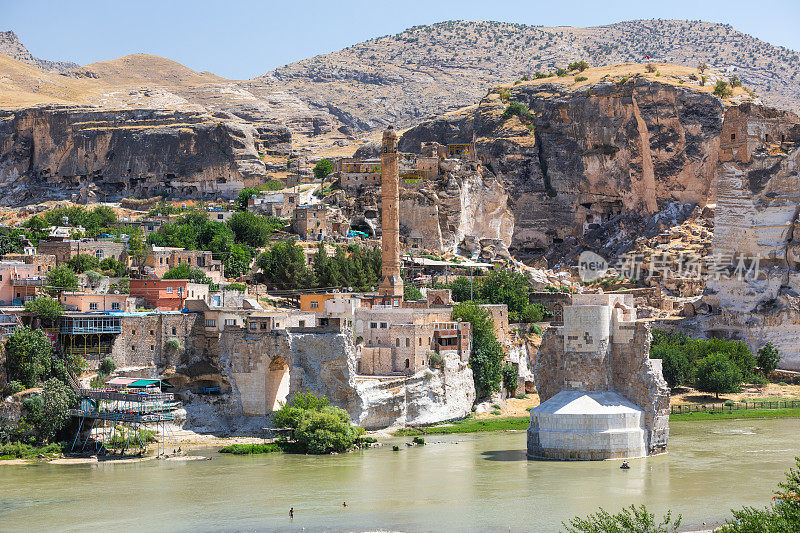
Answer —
602 396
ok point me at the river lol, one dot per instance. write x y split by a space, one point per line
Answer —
478 482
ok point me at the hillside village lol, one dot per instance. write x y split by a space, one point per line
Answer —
583 238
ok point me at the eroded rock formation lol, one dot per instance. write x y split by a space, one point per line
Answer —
755 295
86 153
587 156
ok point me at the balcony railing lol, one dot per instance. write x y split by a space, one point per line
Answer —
30 282
93 324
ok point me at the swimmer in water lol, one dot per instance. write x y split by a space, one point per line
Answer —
291 513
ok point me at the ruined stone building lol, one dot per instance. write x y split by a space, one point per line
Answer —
67 249
602 396
162 258
274 204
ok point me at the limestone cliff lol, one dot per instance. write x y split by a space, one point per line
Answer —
86 153
588 152
757 217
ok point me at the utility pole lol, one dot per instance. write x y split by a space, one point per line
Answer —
470 283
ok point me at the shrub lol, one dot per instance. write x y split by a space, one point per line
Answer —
487 354
418 440
173 346
47 411
496 406
717 373
768 358
630 520
649 67
703 80
722 89
579 79
560 72
517 108
623 80
13 388
580 66
250 449
782 515
241 287
496 412
675 365
521 396
729 403
93 277
735 81
510 378
395 448
28 356
435 359
107 366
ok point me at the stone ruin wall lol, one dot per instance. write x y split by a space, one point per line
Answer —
323 362
620 367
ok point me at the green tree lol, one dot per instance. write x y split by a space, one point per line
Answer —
253 230
510 374
460 288
717 373
114 267
674 364
319 427
630 520
487 353
580 66
237 262
53 414
83 262
61 279
411 293
506 287
28 356
244 197
45 308
768 358
184 271
323 168
285 265
722 89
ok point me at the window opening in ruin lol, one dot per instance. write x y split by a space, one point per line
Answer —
408 363
733 136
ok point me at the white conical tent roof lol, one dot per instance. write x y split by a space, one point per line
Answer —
577 402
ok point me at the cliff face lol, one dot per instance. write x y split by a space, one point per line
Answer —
755 295
85 153
587 156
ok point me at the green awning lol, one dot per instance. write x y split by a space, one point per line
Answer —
144 384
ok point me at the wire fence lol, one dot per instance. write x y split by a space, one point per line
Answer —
733 406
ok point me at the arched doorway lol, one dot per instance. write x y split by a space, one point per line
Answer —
277 388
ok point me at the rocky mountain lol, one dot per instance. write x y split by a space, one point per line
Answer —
588 149
426 70
11 46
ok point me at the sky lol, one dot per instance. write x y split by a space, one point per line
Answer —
241 39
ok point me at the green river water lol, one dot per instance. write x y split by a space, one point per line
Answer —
478 482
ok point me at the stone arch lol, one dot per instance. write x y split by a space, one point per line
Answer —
277 383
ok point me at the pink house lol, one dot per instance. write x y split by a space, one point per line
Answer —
19 282
87 302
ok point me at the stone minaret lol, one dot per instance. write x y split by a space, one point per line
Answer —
391 283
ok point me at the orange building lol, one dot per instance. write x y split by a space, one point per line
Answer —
168 294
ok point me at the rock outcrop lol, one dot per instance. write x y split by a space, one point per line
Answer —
85 153
586 156
754 292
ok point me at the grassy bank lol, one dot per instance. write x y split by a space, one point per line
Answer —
250 449
471 425
739 414
18 450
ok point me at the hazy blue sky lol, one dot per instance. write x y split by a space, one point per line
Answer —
242 39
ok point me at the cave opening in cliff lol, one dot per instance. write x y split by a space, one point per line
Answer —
277 385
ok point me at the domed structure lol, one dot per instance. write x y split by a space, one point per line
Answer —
586 426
